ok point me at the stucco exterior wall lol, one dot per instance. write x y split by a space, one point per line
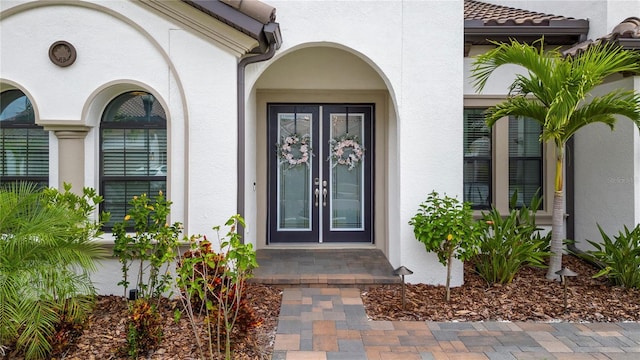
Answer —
425 96
123 46
607 175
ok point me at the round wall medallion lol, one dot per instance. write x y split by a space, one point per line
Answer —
62 53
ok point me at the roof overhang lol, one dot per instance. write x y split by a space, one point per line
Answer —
221 23
558 32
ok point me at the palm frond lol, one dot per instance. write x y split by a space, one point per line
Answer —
603 59
517 106
603 109
514 53
38 323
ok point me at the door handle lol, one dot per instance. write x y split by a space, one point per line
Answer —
324 192
317 193
324 197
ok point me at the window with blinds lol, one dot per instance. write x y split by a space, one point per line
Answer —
133 152
525 159
477 159
24 146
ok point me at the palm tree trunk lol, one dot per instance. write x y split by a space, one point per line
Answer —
557 222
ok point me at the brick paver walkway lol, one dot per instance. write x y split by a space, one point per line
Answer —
331 323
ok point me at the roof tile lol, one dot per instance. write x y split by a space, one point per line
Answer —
497 15
627 34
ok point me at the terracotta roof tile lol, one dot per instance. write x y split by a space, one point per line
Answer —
495 15
627 34
628 29
485 22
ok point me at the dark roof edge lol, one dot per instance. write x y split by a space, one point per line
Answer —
572 30
265 33
563 27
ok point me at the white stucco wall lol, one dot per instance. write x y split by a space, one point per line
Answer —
607 175
121 47
392 37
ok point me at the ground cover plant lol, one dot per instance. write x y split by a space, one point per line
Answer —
46 255
619 258
508 243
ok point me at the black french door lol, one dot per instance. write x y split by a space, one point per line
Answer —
320 173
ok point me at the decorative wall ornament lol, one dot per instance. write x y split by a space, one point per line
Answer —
62 53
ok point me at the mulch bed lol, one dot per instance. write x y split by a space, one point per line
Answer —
105 333
530 297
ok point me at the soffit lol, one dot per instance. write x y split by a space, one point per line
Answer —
212 28
485 22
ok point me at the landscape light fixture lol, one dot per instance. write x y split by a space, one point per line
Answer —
564 273
402 271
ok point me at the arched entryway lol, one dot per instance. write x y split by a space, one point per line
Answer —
327 93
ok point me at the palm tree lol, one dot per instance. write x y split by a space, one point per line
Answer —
46 252
556 92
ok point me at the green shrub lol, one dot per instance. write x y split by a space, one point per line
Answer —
620 259
152 243
144 328
214 283
509 243
46 254
445 226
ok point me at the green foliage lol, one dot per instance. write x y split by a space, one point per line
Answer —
46 254
144 328
557 92
509 243
446 226
213 283
152 244
620 258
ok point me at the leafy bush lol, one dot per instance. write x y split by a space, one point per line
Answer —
445 226
509 243
153 244
620 259
213 283
46 254
144 328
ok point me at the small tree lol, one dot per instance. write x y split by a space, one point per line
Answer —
557 92
445 226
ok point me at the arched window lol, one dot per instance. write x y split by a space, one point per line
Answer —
24 146
133 151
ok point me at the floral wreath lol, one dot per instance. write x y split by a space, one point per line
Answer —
346 150
295 150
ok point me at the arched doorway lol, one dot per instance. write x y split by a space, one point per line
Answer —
328 84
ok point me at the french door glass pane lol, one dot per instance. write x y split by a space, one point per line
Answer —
294 179
347 192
